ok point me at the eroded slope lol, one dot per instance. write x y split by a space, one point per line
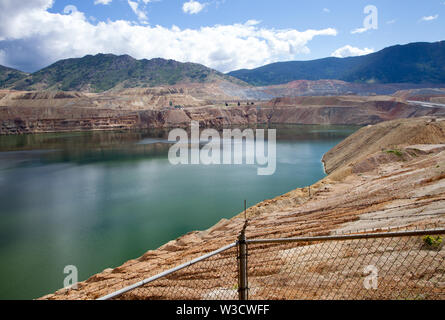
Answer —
391 191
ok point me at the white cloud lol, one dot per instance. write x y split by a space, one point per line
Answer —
104 2
326 10
193 7
252 22
359 30
349 51
31 38
142 16
430 18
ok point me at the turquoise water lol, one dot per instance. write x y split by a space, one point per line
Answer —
96 200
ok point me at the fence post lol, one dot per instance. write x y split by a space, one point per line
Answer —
243 284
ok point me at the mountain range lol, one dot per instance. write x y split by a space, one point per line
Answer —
412 63
103 72
415 63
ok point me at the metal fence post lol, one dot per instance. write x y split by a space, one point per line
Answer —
243 284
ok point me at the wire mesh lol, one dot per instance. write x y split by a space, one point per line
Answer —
390 268
215 278
394 265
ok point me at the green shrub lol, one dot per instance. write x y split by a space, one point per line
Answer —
433 242
396 152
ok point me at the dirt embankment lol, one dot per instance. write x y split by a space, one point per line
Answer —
388 137
402 189
435 95
345 110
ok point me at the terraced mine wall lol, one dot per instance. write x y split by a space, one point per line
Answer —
31 119
25 120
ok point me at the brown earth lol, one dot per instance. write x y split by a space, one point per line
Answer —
386 137
37 112
368 189
326 88
436 95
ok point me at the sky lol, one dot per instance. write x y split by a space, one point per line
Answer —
222 34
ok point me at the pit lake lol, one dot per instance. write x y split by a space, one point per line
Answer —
98 199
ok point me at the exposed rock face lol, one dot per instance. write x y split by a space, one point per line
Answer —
18 126
373 186
302 88
345 110
427 94
21 120
36 112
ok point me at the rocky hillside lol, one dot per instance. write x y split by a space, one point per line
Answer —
372 197
9 76
300 88
432 95
103 72
345 110
414 66
411 63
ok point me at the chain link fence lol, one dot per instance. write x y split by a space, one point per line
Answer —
211 277
404 265
392 265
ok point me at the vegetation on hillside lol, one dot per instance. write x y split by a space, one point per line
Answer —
9 76
106 71
411 63
416 63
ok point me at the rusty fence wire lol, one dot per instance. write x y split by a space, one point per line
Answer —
386 265
211 277
389 266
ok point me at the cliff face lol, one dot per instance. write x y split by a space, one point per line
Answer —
371 192
24 120
36 112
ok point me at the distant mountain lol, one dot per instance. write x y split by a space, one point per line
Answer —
420 63
106 71
416 63
8 76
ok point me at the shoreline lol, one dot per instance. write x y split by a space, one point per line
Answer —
336 204
268 192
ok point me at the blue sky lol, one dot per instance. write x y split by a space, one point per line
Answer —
223 34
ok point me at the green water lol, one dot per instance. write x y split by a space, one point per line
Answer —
96 200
